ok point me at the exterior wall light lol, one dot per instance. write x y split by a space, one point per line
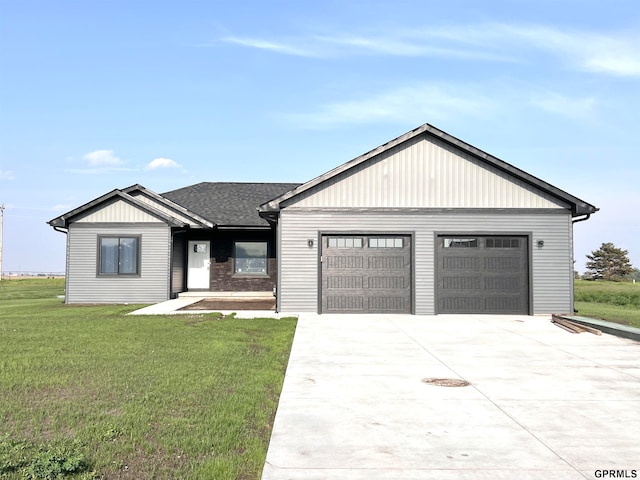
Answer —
540 243
310 243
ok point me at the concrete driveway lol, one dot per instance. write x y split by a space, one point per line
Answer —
541 403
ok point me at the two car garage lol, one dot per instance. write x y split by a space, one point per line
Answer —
475 274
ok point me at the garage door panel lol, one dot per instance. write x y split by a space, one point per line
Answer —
460 263
483 274
461 283
344 282
462 304
345 303
366 273
387 283
341 262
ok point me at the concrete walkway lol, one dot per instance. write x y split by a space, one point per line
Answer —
172 307
542 403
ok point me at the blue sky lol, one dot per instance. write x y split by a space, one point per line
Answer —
97 95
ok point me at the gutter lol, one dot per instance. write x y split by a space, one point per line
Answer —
60 229
586 217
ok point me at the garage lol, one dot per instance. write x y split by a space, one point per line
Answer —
482 274
366 274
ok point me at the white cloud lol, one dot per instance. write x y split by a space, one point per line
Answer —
614 53
278 47
576 108
61 207
405 43
162 163
101 158
6 175
406 105
439 103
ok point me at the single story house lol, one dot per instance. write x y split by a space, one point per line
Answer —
424 224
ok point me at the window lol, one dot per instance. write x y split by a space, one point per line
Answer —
460 242
345 242
503 243
250 258
119 255
385 243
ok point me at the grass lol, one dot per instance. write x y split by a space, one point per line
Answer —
88 392
613 301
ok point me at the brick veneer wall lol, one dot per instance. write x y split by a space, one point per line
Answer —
222 263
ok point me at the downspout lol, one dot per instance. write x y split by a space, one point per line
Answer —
576 220
65 230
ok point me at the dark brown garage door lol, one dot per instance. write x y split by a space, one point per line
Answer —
482 274
366 274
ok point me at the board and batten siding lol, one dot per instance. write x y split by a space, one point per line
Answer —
162 208
551 266
424 173
118 211
85 286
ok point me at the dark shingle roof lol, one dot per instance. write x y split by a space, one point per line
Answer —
229 203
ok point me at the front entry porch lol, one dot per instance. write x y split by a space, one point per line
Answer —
229 300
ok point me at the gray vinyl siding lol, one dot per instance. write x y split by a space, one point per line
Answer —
178 264
85 286
424 173
551 266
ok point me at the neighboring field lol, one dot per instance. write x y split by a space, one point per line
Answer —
90 391
612 301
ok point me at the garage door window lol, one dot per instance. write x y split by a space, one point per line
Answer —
503 243
460 242
345 242
386 243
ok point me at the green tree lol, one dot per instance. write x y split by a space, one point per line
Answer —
608 263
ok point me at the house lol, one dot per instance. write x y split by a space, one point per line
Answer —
424 224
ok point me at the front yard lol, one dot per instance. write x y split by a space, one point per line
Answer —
613 301
90 391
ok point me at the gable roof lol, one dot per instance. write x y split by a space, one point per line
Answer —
578 206
228 203
63 220
138 190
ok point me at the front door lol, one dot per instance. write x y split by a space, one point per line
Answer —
199 264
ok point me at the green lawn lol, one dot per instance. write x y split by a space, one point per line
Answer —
89 390
613 301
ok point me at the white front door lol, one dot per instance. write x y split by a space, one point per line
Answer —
199 264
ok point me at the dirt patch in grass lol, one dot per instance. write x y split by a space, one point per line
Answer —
233 304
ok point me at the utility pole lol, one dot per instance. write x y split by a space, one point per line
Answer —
1 232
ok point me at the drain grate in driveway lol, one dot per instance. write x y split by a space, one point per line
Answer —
446 382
